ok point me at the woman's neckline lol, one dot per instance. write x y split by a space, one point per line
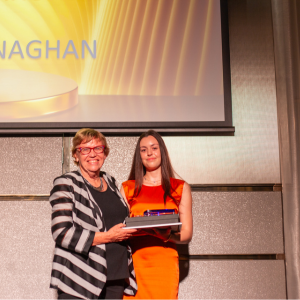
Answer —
92 187
100 191
152 185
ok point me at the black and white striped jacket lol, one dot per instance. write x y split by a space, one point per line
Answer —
78 267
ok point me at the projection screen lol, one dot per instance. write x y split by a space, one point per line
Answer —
120 65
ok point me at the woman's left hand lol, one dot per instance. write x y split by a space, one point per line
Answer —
162 234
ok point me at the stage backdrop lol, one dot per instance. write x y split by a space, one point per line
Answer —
122 63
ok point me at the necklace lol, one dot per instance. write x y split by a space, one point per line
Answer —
153 181
99 188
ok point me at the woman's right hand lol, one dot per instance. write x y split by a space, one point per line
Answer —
118 234
114 234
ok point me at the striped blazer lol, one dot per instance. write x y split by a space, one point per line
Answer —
78 267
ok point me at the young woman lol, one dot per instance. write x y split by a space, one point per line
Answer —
152 185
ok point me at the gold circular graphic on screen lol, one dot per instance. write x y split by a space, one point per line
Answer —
27 94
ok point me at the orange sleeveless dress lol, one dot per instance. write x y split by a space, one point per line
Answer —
155 262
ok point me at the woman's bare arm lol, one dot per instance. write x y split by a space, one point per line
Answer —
186 218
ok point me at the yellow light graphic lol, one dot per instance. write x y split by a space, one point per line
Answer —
146 47
25 94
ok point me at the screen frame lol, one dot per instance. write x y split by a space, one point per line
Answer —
196 127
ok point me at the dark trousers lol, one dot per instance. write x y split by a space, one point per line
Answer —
113 289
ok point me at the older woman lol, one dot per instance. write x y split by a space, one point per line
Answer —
152 185
91 259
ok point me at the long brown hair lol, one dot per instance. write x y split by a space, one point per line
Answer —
138 170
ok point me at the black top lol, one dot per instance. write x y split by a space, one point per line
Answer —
114 212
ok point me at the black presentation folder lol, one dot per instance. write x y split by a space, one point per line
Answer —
154 221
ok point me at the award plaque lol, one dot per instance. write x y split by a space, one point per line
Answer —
160 221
